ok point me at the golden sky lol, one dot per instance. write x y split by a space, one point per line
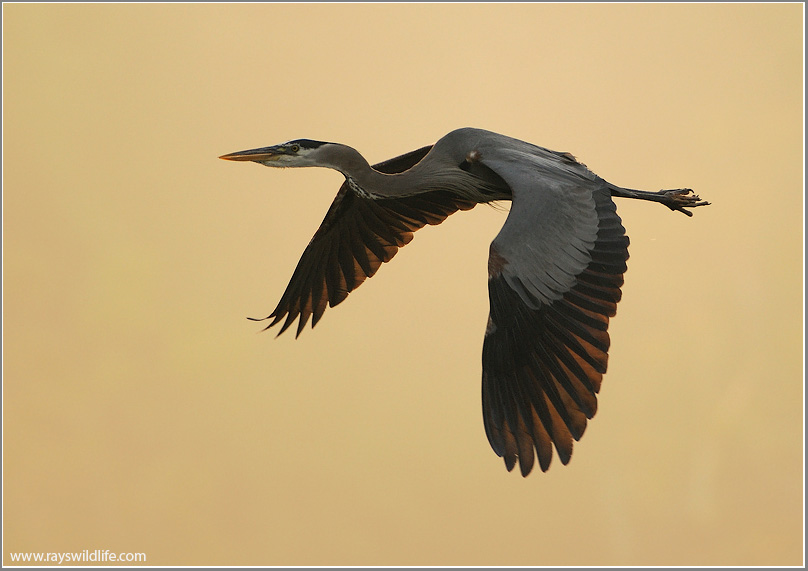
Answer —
144 413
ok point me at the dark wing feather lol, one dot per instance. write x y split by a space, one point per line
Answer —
357 236
555 272
543 361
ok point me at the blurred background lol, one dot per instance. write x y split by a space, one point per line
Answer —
144 413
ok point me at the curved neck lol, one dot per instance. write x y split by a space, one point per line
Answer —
429 174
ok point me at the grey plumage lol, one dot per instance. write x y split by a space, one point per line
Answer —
555 268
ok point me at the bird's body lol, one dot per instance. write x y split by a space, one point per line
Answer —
555 269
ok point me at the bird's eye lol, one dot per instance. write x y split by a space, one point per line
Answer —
294 148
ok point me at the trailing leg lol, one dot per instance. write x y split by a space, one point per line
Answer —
675 199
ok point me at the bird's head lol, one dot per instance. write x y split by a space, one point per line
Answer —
297 153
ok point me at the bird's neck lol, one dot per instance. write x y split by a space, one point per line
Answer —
370 183
434 172
361 177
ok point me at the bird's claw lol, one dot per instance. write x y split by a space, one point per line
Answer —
681 198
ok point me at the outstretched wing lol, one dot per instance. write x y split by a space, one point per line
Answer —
357 235
555 272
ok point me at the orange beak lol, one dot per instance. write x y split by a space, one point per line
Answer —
262 154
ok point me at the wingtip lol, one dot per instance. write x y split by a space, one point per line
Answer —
510 462
271 324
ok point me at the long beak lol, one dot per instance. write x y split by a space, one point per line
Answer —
262 154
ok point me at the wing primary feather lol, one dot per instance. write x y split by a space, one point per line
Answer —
575 344
553 385
360 252
545 358
598 338
567 358
347 264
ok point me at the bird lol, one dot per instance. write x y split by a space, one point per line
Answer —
555 269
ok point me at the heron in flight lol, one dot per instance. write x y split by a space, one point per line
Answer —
554 270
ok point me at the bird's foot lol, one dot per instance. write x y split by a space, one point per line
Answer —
680 198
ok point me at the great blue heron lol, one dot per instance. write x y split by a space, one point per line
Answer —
554 270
